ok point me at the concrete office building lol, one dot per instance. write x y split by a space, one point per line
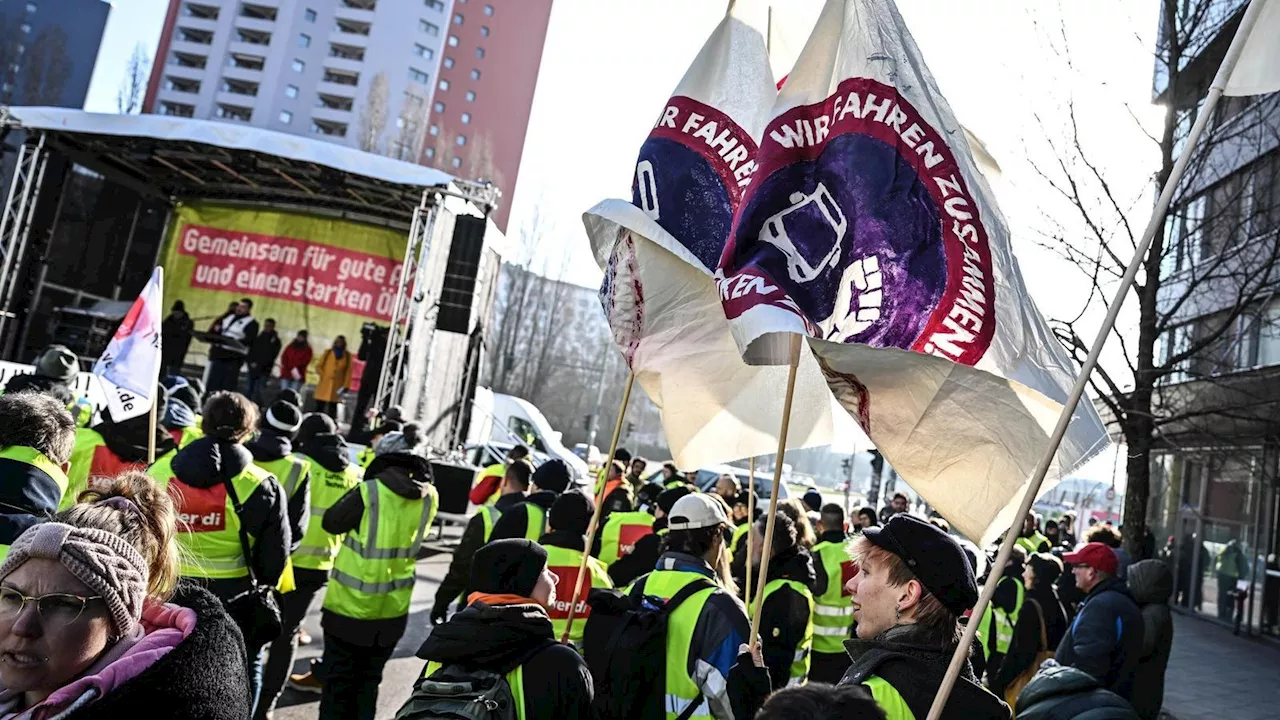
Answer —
356 72
48 49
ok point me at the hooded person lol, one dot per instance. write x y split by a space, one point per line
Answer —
109 448
92 625
565 542
1151 582
215 483
313 424
529 519
1061 693
55 372
405 440
367 454
181 417
1039 629
786 614
914 583
505 629
366 608
36 437
512 492
648 547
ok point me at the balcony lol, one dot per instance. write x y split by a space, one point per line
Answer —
203 24
177 109
332 116
237 113
358 4
185 63
352 27
349 67
235 86
250 36
334 102
336 90
346 52
344 82
241 60
200 11
257 11
328 128
193 36
181 84
178 96
351 41
350 14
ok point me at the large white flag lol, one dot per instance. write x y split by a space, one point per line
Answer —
868 227
658 253
130 365
1258 70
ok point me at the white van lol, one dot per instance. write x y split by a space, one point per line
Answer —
499 418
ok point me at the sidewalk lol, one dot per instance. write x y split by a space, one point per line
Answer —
1214 674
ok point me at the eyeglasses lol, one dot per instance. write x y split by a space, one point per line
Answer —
56 609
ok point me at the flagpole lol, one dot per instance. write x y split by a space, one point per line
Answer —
1064 419
151 431
595 514
773 496
751 519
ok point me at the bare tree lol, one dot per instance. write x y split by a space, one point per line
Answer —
443 147
1205 285
133 87
373 114
46 67
480 161
411 126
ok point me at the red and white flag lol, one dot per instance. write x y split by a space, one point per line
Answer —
130 366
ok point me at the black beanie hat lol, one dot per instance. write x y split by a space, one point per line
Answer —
418 467
552 475
571 513
507 567
668 498
283 418
290 395
623 456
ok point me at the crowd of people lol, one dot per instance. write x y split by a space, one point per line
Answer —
124 577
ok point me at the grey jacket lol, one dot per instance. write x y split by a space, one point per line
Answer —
1151 582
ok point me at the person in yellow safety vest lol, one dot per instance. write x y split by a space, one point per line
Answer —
219 494
705 632
620 534
109 448
671 476
912 586
367 455
648 548
55 372
487 487
528 519
1030 539
366 606
832 611
608 476
505 629
739 513
36 437
995 628
515 487
786 615
565 542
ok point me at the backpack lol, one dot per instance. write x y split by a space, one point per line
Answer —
456 693
625 646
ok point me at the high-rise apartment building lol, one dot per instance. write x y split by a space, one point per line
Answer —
480 112
356 72
48 49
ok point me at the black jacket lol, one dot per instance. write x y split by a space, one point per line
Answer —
343 517
175 337
1026 635
785 613
642 559
203 678
1105 640
268 446
1151 583
514 522
557 684
208 462
263 352
28 495
1066 693
454 584
913 660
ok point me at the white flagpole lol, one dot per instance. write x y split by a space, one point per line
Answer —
1157 219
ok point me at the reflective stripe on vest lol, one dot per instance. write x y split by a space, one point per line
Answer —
318 548
515 679
489 516
564 564
1003 621
535 523
738 533
1032 542
373 575
889 699
621 532
833 610
680 686
803 657
289 470
208 526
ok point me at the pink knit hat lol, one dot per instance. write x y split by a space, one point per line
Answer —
102 560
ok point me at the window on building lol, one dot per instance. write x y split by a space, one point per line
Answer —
475 74
309 15
298 66
456 162
31 7
471 96
461 140
291 91
429 28
26 28
431 153
437 5
1184 233
418 76
304 40
438 107
466 118
423 51
286 117
479 53
457 18
448 62
484 31
488 10
453 41
434 130
444 84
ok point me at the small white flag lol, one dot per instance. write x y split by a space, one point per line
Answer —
130 366
1258 70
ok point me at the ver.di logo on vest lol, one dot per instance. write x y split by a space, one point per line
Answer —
200 509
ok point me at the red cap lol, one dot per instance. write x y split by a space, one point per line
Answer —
1095 555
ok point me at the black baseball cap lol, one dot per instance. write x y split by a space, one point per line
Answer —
933 556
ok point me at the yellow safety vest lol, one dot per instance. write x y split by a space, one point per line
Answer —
621 532
1032 542
37 459
681 688
208 526
318 548
1004 622
564 564
489 516
889 699
190 435
365 457
83 455
832 610
496 470
803 657
373 574
739 533
515 679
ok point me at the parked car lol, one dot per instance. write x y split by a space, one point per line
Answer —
707 477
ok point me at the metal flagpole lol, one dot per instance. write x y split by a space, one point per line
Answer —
1064 419
751 518
151 429
773 496
595 515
